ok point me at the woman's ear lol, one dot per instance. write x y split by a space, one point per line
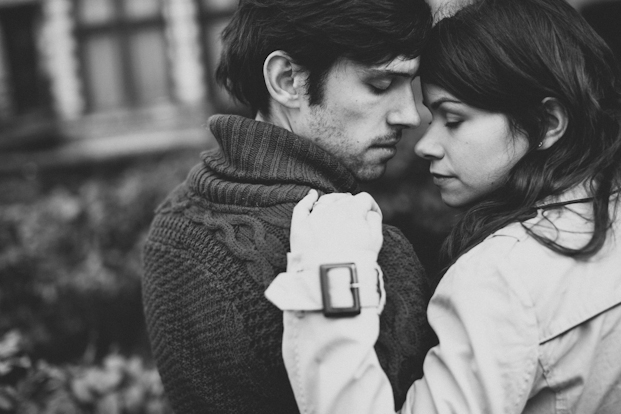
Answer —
283 79
557 121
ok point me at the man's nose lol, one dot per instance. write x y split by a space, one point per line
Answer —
404 112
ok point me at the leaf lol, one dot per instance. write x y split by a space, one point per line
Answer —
10 345
7 399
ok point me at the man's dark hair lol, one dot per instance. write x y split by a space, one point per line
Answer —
315 34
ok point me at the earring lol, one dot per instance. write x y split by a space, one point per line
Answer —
540 144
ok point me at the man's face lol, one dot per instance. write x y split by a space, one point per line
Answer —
363 112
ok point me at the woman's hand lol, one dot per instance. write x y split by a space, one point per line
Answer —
336 222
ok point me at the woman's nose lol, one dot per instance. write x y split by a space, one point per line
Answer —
428 146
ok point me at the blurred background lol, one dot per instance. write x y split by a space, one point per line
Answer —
103 105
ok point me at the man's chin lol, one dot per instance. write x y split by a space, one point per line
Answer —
367 174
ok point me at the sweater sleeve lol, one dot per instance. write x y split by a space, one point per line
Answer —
214 336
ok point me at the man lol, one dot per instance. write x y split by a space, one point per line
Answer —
329 82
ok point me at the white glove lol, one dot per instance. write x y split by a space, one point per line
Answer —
336 223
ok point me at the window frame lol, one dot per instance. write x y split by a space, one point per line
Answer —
119 29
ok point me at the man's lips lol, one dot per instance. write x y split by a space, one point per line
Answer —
392 144
387 150
388 141
386 146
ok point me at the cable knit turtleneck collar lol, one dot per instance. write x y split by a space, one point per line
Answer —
260 164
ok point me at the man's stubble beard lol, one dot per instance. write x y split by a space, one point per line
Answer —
327 132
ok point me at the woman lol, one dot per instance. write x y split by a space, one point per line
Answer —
525 137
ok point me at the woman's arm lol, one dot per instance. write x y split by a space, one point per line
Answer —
487 358
331 361
332 365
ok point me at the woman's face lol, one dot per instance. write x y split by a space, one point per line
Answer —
470 150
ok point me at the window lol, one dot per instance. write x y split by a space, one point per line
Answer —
5 94
123 53
215 15
23 88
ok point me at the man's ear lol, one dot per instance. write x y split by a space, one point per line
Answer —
557 121
284 79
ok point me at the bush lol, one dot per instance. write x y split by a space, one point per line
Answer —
119 385
70 255
70 279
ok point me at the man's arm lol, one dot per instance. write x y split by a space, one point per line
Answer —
214 336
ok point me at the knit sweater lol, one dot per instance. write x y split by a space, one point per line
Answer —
215 245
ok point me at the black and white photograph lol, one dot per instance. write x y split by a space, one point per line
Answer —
310 206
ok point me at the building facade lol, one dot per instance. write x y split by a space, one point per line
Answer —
125 69
129 70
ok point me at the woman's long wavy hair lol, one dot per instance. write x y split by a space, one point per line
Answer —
507 56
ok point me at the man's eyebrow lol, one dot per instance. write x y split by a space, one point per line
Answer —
439 102
390 72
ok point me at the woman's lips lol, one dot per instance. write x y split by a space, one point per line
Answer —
440 179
